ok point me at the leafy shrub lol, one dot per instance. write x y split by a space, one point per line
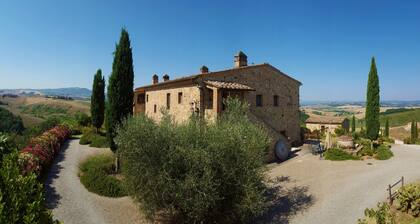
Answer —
82 119
408 199
381 215
338 154
339 131
21 196
99 141
10 122
383 152
41 150
196 172
96 176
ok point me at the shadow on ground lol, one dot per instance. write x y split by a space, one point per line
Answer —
52 197
284 202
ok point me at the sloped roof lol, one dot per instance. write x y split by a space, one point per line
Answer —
227 85
210 74
325 120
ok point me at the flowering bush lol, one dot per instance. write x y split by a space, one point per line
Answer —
41 150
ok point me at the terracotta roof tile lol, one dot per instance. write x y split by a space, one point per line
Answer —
227 85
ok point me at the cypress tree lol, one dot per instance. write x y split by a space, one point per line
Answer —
386 131
120 87
414 134
372 103
353 124
97 101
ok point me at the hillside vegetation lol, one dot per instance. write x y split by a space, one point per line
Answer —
401 118
35 110
10 122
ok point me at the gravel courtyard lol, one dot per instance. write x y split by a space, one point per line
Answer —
321 191
72 203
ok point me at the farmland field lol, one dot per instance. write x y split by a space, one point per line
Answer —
35 109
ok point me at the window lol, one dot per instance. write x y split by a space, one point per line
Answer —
259 101
140 98
168 101
210 99
179 97
154 108
147 98
275 100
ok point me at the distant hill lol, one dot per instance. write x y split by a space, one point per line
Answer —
74 92
400 118
384 103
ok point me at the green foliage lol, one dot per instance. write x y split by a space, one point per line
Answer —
93 138
414 132
339 155
43 110
120 88
303 117
383 152
97 101
196 172
372 103
408 199
21 196
339 131
10 122
353 124
381 215
96 174
317 112
401 118
82 119
386 131
99 141
396 110
22 140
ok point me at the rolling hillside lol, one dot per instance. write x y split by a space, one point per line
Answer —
35 109
401 118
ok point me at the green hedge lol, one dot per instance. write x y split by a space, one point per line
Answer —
338 155
21 196
96 175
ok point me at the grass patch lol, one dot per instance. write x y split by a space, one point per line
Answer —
339 155
383 152
96 174
93 139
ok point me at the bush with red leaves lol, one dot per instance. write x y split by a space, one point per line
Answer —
41 150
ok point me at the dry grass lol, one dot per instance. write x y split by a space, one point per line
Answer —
72 106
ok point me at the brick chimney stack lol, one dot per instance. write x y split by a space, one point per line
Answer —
204 69
165 77
155 79
241 60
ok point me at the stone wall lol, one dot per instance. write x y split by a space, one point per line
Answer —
269 82
179 111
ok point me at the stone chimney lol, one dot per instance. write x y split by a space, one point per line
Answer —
241 60
204 69
165 77
155 79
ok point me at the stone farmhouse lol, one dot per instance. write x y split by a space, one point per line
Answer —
327 123
272 95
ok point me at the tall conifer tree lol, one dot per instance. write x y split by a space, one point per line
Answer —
372 103
386 131
353 124
97 101
120 87
414 134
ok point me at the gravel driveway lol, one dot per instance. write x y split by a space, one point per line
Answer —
321 191
72 203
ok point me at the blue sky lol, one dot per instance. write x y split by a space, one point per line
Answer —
327 45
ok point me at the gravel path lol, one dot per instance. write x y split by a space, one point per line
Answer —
72 203
321 191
